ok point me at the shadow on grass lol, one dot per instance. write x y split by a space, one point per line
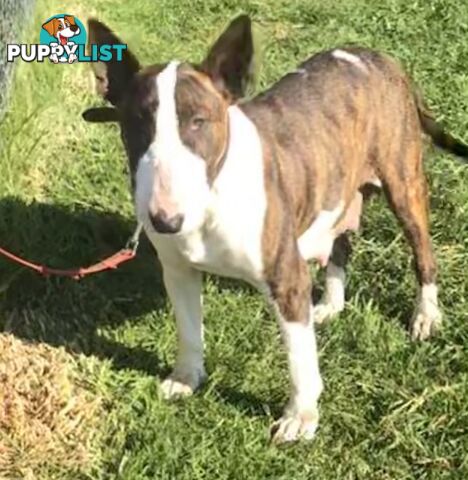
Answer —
64 312
73 314
61 311
250 404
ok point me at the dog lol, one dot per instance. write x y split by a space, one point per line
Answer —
62 29
255 189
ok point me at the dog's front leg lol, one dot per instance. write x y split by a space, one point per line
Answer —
300 417
290 293
184 286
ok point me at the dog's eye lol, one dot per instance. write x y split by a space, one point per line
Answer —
60 27
197 122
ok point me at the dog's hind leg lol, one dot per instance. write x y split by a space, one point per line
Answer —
333 300
406 190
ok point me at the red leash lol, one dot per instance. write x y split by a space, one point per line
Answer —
109 263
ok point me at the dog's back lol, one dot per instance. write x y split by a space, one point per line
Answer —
332 125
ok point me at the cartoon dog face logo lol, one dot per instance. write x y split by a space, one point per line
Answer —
63 29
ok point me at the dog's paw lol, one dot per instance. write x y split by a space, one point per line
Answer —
182 383
292 427
172 388
72 58
425 323
325 311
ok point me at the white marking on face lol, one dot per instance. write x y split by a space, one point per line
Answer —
169 175
317 241
350 58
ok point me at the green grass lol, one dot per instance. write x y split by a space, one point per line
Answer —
391 409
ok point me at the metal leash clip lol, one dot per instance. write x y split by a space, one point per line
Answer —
134 240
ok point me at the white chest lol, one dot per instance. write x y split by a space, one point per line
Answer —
224 247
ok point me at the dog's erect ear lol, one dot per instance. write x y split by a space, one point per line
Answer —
51 26
113 77
101 115
230 61
71 19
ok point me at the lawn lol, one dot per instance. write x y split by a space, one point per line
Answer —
391 409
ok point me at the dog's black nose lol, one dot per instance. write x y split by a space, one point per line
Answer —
73 28
162 223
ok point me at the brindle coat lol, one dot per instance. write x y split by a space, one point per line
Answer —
330 129
344 121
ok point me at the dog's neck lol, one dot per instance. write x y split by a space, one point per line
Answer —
244 147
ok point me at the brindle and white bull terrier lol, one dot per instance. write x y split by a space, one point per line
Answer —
255 189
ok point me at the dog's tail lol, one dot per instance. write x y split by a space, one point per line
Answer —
435 130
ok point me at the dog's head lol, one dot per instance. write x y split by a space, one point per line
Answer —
62 28
174 121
